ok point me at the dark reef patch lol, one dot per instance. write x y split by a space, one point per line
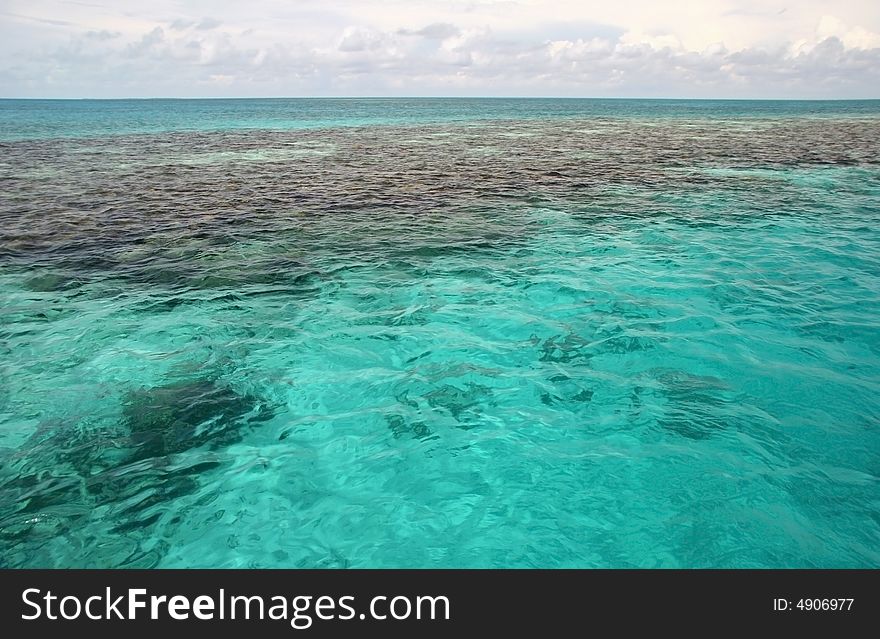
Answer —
401 426
181 415
135 469
464 404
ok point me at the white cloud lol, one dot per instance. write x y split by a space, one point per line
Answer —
716 48
853 37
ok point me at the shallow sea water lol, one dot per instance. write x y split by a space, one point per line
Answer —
572 335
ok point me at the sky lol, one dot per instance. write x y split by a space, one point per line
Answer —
567 48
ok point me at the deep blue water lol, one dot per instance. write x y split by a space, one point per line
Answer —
439 333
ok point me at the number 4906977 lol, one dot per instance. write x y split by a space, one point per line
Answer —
824 604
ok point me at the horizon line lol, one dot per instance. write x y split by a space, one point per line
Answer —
443 97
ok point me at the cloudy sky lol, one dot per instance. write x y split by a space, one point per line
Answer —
627 48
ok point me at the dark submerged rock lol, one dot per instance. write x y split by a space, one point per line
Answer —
182 415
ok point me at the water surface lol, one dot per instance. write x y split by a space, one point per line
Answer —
410 333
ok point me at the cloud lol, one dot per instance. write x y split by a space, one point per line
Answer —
148 43
206 24
434 31
49 21
103 34
180 24
357 39
720 48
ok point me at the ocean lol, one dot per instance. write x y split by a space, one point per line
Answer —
439 333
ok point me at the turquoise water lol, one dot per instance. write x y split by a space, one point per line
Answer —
439 334
30 119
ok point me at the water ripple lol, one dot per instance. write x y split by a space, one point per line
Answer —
584 342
